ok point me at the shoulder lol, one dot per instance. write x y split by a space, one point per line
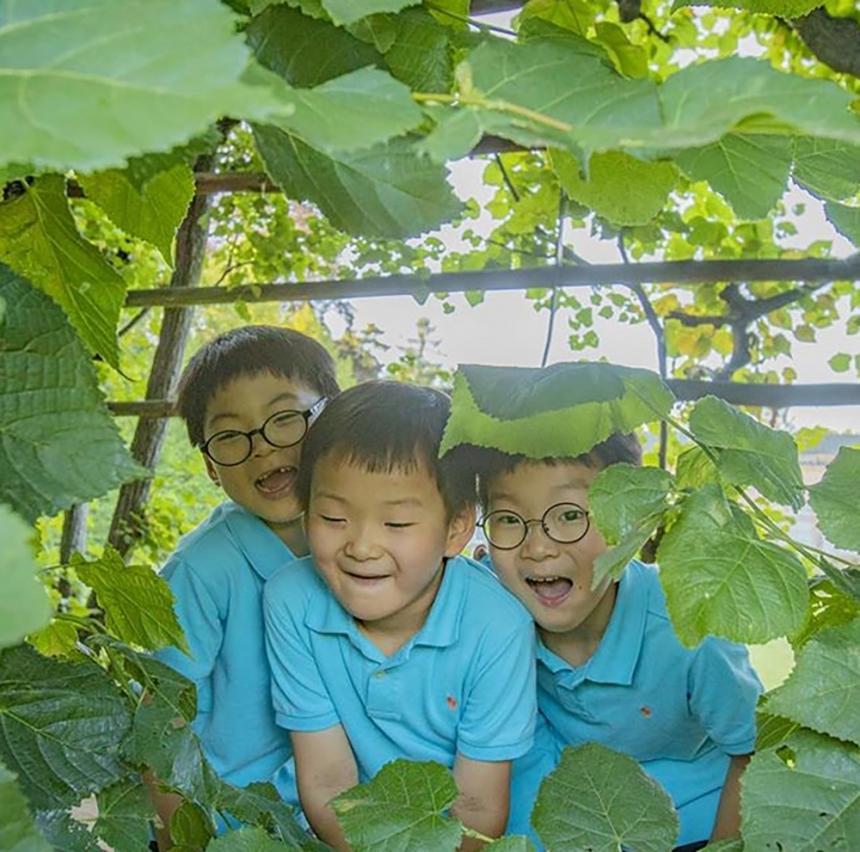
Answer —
295 584
487 602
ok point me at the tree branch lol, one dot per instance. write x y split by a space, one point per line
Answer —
834 41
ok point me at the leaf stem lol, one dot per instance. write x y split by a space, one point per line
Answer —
491 28
468 99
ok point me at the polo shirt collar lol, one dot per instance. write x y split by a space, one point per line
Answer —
265 552
442 627
614 661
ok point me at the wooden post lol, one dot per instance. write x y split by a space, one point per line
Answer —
74 538
148 439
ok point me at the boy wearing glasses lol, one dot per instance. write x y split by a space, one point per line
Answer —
610 668
247 399
387 643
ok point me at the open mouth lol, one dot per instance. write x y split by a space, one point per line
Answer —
550 591
277 482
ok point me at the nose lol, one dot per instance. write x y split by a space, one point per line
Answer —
259 445
537 544
360 544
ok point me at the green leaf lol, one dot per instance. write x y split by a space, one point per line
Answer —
63 832
49 398
24 604
619 187
421 54
845 219
749 171
834 499
772 730
379 30
623 495
840 362
348 11
511 843
61 725
780 8
402 808
721 579
387 191
835 601
694 468
124 813
189 826
808 801
281 38
630 59
748 452
598 799
39 240
150 212
72 94
823 690
58 639
562 410
18 832
612 562
137 602
246 840
826 167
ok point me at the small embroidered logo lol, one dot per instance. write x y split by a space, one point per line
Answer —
645 711
452 702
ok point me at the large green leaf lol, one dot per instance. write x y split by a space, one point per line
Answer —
60 445
18 832
137 602
562 410
598 799
151 210
422 53
827 168
511 843
823 691
348 11
39 240
623 495
80 80
782 8
387 191
721 579
621 188
834 499
749 171
63 832
808 801
61 725
247 840
124 813
748 452
403 808
845 219
24 604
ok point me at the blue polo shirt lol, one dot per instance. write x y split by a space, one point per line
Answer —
680 712
217 575
465 683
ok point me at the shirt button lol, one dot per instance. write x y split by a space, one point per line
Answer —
379 675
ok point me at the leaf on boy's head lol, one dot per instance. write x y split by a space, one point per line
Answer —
563 410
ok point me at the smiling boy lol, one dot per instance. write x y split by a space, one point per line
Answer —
610 668
388 644
247 399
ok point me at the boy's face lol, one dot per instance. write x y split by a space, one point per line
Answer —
379 540
553 580
264 483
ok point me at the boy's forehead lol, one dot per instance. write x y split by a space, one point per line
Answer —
245 392
337 471
534 476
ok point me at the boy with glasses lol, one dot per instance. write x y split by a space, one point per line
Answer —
387 643
610 668
247 399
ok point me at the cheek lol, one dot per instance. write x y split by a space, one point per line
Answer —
505 564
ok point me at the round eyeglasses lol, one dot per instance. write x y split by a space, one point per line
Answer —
565 523
282 429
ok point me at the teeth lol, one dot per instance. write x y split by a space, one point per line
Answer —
543 579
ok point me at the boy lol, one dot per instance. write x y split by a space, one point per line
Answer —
247 399
610 668
387 643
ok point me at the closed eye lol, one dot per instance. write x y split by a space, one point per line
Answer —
331 519
399 526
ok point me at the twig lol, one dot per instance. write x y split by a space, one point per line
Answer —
491 28
559 256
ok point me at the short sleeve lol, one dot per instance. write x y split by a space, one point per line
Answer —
498 720
299 696
723 691
202 620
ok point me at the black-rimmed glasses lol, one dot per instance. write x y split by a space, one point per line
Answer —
282 429
565 523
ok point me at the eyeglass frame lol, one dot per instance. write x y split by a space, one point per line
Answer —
541 520
261 431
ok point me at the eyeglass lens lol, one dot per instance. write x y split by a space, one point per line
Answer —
282 429
564 523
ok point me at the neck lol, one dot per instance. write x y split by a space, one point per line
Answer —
292 534
578 645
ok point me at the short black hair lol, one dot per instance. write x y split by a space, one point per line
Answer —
383 426
616 449
249 351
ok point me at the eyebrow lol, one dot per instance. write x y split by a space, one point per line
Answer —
397 501
580 484
230 415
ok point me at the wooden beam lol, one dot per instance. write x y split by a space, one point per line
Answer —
603 274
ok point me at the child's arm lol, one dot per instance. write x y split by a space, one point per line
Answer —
484 797
325 767
728 822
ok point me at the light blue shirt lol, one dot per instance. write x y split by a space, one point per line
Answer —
465 683
217 575
680 712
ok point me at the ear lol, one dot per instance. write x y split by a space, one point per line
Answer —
211 470
460 530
